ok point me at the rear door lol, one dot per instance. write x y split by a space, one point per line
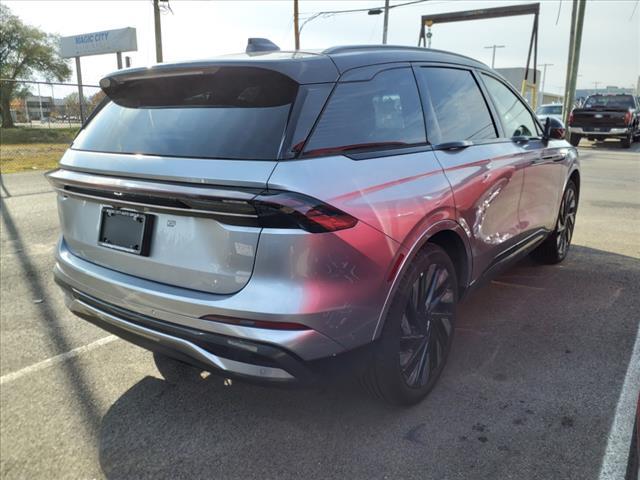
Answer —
547 164
485 172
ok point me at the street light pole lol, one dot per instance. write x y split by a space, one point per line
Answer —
493 55
296 29
158 30
575 40
386 22
595 84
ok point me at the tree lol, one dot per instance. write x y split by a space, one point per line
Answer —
24 52
72 105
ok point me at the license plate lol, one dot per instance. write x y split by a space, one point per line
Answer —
125 230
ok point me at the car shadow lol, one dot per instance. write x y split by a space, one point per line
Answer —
518 393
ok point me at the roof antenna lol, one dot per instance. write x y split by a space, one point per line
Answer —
255 45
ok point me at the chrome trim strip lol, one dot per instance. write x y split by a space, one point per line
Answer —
151 207
612 131
63 177
184 346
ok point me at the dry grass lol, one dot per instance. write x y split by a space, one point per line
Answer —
34 156
24 149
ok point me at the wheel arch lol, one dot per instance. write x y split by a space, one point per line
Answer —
447 234
575 178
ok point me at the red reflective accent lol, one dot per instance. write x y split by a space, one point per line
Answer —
331 222
627 118
570 118
256 323
396 266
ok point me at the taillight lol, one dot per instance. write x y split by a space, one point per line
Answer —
293 210
570 118
276 209
627 118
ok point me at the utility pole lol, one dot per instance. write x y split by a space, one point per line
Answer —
296 29
493 55
544 74
156 19
386 22
595 84
577 21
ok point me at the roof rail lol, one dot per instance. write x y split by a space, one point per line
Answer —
348 48
355 48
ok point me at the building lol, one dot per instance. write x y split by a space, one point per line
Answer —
28 109
515 76
548 97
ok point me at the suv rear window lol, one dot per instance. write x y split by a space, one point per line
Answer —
609 101
232 112
380 113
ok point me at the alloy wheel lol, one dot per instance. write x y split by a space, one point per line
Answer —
427 326
566 221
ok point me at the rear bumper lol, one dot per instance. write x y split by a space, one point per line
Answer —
212 352
611 132
165 318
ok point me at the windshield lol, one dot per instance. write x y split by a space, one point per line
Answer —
549 110
609 101
235 113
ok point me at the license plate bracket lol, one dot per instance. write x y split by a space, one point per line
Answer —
125 230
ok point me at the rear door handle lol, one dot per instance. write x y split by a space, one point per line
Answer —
556 157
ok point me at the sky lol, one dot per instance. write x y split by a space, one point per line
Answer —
610 52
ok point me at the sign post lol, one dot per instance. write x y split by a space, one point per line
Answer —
80 96
97 43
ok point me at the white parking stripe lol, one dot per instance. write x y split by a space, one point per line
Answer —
614 463
10 377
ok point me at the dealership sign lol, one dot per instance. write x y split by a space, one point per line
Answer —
98 43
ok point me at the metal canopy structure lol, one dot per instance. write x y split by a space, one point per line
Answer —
487 13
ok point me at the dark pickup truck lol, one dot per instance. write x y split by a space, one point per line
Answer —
606 116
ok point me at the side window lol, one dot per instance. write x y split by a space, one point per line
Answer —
516 118
380 113
455 107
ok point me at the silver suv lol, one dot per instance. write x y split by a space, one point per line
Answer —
270 214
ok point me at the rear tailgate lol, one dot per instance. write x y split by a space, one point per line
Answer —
157 184
586 118
189 245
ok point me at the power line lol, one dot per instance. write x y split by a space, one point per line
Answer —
559 9
330 13
634 9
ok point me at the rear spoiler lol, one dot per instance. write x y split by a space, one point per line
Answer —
301 68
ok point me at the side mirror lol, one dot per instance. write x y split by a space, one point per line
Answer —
553 129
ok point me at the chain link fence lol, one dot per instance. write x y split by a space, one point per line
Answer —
46 117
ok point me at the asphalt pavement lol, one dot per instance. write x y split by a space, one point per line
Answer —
537 385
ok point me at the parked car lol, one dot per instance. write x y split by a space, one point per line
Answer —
269 215
606 116
553 110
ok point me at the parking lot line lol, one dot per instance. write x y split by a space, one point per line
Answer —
614 462
10 377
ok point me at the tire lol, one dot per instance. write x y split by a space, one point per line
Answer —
556 246
626 142
416 339
175 371
574 139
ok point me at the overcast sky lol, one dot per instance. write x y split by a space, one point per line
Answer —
199 29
